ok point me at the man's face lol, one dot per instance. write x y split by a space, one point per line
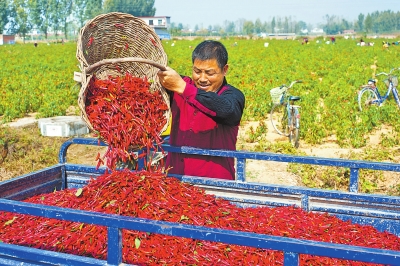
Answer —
207 76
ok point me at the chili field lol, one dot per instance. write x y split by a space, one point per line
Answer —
40 79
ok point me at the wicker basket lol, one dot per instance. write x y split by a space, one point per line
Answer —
277 93
114 44
387 82
394 80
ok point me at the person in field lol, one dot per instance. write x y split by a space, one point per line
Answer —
206 113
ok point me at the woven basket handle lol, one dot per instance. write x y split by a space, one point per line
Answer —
91 68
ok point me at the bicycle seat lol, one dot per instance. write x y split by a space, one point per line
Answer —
294 98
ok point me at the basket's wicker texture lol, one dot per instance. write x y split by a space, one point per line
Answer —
387 83
276 94
114 44
395 81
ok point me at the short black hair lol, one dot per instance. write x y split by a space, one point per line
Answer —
211 49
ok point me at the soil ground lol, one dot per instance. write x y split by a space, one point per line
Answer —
256 171
276 172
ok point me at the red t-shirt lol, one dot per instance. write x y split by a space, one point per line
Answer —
207 120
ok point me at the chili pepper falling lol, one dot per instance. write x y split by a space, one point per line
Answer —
126 115
148 195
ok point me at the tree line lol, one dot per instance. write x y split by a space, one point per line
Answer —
376 22
23 16
68 16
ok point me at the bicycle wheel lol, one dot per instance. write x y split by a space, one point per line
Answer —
366 98
294 131
279 119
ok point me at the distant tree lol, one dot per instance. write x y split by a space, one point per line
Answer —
345 25
229 27
273 25
333 25
93 8
64 13
386 21
248 27
54 17
360 22
286 25
217 28
266 27
39 14
239 25
279 24
20 23
138 8
4 11
301 25
368 23
258 26
397 21
79 12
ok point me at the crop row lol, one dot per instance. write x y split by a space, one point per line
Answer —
40 79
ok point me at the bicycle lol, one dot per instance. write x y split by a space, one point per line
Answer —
285 116
369 94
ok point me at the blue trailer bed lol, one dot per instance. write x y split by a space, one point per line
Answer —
382 212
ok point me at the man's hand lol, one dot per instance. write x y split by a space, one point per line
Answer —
171 80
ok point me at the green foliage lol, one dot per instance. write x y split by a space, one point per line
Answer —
256 134
37 79
41 79
134 7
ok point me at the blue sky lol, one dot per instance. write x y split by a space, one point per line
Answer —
215 12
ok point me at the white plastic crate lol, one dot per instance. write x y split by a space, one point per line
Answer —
62 126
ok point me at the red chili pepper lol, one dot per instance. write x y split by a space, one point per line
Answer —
91 39
153 42
120 127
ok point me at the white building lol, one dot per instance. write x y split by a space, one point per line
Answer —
159 24
317 31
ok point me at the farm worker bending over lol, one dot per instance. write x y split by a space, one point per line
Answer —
206 112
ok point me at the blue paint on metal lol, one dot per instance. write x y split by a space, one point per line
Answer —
353 186
291 259
241 157
17 255
305 203
241 169
62 156
287 245
38 182
114 251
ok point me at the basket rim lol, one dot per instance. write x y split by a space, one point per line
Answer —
142 26
96 63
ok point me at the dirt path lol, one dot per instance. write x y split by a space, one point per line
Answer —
276 172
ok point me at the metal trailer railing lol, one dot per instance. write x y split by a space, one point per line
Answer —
383 212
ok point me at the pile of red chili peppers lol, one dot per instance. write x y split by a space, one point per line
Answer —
126 115
152 195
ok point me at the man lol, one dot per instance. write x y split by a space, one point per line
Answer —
206 112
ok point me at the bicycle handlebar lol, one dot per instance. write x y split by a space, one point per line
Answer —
387 74
294 82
